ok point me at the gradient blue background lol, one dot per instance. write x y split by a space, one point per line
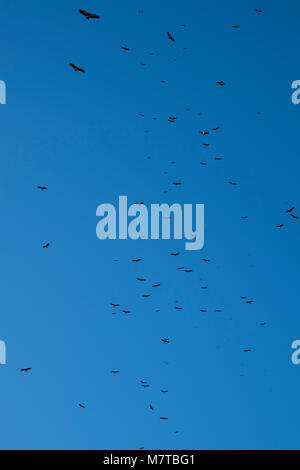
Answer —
80 135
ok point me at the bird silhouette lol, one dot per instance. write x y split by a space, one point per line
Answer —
77 69
170 37
89 15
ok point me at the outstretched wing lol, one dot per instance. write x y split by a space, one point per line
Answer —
170 36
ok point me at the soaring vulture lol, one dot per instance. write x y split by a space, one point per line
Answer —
77 69
88 15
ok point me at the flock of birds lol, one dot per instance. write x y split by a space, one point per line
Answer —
172 120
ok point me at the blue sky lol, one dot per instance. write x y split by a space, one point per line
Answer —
80 135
